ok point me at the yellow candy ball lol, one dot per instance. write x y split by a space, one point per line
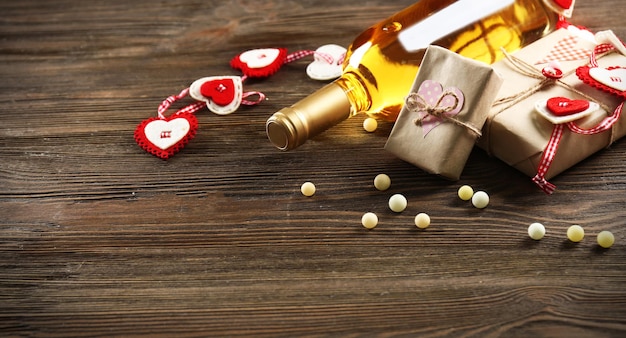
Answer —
382 182
575 233
465 192
307 189
606 239
369 220
370 124
422 220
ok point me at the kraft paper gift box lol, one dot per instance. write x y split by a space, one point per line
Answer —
517 134
444 112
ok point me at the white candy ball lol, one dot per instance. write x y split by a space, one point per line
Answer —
397 203
480 199
536 231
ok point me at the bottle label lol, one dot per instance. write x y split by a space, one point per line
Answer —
448 20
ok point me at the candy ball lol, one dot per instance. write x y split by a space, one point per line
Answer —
307 189
480 199
369 220
466 192
397 203
606 239
575 233
536 231
422 220
382 182
370 124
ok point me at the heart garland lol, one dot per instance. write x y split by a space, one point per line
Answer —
165 136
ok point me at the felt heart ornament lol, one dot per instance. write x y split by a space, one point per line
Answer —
559 110
563 7
611 80
164 137
321 69
431 94
222 94
262 62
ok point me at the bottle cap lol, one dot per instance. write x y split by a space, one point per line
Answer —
292 126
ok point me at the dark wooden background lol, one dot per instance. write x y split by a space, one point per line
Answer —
99 238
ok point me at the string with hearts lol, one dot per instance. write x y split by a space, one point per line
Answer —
165 136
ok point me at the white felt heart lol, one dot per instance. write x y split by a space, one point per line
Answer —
165 134
321 69
614 78
259 58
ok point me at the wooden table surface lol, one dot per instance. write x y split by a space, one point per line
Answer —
99 238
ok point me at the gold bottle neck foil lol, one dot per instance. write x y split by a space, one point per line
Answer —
292 126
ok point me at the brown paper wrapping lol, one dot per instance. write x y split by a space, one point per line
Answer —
518 135
444 149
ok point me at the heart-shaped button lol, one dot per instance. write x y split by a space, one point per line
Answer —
222 94
165 137
220 91
559 110
562 106
260 62
614 78
323 70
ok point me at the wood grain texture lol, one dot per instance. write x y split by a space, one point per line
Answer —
98 238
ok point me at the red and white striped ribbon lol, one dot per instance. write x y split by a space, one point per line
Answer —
194 107
304 53
553 144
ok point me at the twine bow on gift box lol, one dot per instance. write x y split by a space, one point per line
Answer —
551 76
433 109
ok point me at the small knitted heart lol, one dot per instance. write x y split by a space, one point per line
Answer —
222 94
164 137
562 106
260 62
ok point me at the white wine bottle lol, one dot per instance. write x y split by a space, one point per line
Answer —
382 62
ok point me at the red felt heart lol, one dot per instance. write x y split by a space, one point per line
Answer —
562 106
221 91
584 76
164 137
565 4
